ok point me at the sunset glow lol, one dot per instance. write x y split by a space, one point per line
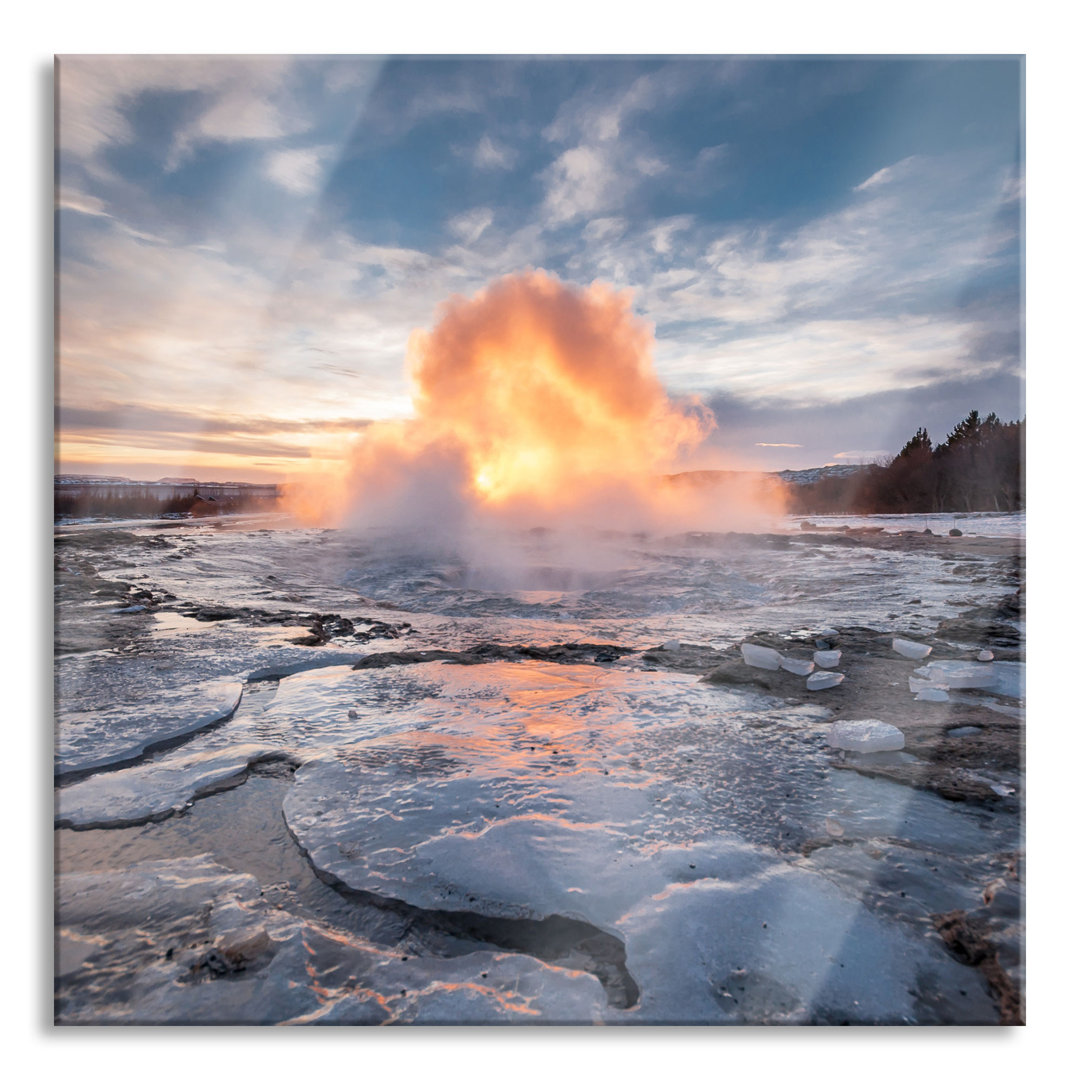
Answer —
247 243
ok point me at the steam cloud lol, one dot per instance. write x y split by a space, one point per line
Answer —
536 403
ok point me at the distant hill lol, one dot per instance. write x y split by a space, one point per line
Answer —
812 476
787 476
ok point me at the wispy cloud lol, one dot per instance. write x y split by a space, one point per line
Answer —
91 205
130 417
886 175
298 170
606 158
582 181
470 226
490 154
847 456
241 98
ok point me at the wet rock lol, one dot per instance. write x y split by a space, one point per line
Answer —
971 946
240 947
692 659
215 614
736 673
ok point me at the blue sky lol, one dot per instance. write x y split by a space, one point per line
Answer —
829 250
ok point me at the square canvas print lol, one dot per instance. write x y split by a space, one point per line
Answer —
539 541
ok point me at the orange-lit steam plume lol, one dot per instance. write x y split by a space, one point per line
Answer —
536 402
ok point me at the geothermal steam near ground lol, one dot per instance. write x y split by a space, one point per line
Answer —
536 402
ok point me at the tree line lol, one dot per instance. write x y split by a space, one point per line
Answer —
980 466
111 503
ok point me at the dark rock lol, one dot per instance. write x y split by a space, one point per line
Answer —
215 614
970 946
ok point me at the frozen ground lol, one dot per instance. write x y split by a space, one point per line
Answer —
312 776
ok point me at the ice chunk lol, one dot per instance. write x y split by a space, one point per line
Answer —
959 674
761 657
916 685
1009 678
827 657
154 791
931 693
125 731
910 650
822 680
865 736
770 958
822 635
797 667
985 655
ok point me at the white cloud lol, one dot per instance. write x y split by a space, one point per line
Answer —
68 199
882 176
470 226
608 158
244 99
581 181
300 170
600 230
592 117
861 456
492 155
862 299
662 235
886 175
1012 190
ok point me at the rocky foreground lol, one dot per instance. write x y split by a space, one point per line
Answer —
366 814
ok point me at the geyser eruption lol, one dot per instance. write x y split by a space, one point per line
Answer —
536 403
550 393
